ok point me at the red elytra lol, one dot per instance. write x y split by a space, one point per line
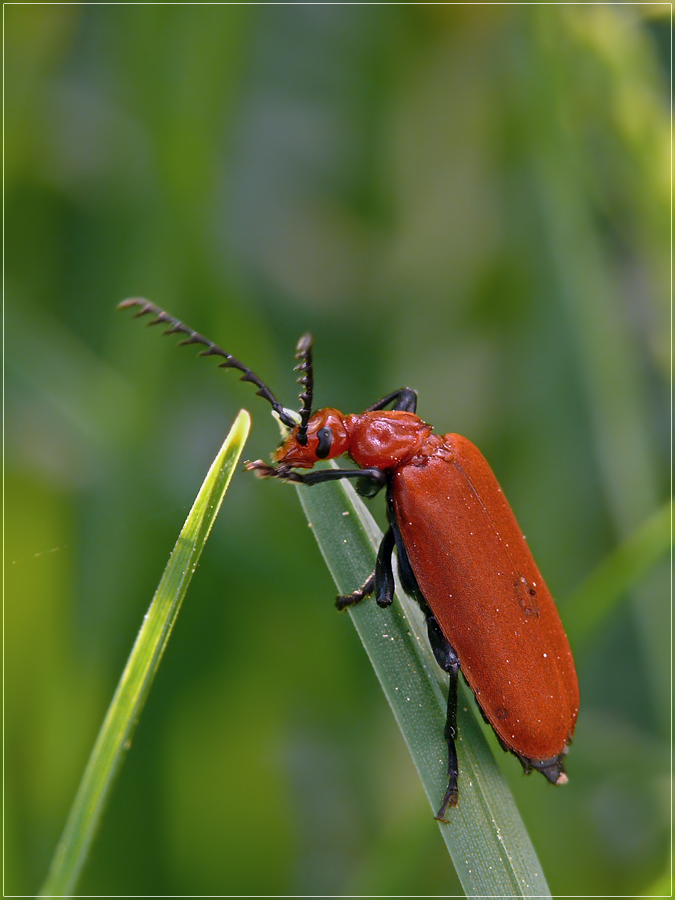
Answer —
461 554
488 596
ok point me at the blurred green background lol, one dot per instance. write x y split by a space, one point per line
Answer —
471 200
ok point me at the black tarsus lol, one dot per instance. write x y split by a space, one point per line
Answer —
194 337
303 353
367 588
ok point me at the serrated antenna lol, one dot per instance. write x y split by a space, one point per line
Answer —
303 353
194 337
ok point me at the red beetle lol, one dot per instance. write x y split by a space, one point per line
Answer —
461 555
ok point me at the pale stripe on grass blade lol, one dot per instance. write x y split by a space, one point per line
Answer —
487 840
618 574
132 690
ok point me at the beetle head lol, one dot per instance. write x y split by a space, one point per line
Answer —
325 437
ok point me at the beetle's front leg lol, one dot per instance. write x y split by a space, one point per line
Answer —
286 473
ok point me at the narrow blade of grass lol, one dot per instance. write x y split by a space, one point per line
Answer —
115 734
487 840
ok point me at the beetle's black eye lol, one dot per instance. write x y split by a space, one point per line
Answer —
325 436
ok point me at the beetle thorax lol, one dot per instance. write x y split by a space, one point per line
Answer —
385 439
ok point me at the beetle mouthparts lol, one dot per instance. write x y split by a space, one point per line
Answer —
261 469
264 470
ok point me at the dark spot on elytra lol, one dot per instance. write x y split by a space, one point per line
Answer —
526 594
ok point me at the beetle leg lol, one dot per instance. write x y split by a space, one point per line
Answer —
370 481
373 475
285 473
367 488
381 581
384 573
451 796
345 600
445 656
448 661
406 574
406 401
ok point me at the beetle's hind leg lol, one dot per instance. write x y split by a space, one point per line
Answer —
448 661
445 656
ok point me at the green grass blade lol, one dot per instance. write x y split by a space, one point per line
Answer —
618 574
488 843
132 690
